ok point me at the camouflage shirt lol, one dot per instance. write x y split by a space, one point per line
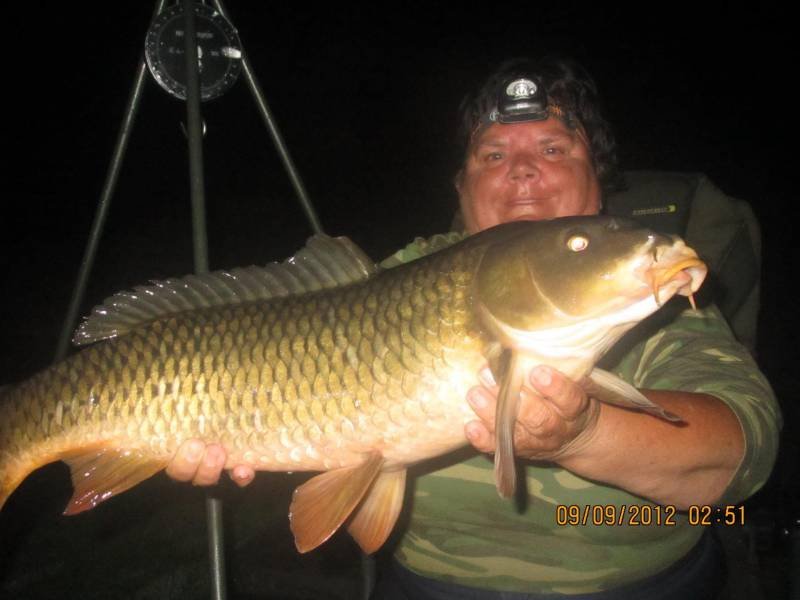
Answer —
461 531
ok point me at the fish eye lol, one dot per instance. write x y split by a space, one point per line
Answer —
578 242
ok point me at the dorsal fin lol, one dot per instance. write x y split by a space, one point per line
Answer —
323 263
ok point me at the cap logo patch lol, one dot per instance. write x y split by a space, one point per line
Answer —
521 88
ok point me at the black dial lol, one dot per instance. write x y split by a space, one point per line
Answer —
218 48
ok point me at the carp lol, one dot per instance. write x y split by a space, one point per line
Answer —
327 363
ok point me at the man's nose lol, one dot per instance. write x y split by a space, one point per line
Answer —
524 166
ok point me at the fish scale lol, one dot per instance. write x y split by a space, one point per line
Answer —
358 380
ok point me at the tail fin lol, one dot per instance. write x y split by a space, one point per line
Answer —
100 469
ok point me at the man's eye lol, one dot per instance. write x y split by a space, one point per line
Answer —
492 156
554 150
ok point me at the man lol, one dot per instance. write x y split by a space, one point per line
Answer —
537 147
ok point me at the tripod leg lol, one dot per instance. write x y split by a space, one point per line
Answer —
110 183
277 139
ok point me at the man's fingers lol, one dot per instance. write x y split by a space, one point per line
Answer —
242 475
565 396
481 433
484 403
210 468
184 464
534 413
203 465
479 436
198 463
552 412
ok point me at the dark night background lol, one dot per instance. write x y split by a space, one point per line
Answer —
366 101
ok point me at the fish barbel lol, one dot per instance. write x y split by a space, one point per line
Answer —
325 363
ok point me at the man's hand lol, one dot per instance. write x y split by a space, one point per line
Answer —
556 418
680 465
202 465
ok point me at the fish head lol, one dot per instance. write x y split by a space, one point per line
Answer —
561 293
583 279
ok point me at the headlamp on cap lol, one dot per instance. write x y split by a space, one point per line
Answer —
522 99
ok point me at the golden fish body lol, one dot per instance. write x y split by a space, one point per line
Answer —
307 383
358 381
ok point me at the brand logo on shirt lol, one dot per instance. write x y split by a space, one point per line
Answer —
655 210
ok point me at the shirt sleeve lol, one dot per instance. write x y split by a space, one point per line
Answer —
697 352
422 247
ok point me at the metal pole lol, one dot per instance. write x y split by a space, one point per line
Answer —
103 204
194 123
367 575
277 139
194 127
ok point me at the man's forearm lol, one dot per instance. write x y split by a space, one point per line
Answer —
678 464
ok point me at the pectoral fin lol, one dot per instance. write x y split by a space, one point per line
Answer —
375 518
512 373
101 472
321 504
497 358
610 389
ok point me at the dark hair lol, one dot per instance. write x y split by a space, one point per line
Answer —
568 85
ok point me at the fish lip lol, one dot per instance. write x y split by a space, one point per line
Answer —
685 281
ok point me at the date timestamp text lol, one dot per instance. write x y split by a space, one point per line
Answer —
646 515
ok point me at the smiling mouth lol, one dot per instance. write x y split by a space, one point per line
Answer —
525 201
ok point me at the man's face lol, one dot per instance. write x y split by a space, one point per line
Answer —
534 170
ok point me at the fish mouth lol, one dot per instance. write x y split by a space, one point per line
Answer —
681 273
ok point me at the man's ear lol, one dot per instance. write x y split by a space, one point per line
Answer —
458 180
458 219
